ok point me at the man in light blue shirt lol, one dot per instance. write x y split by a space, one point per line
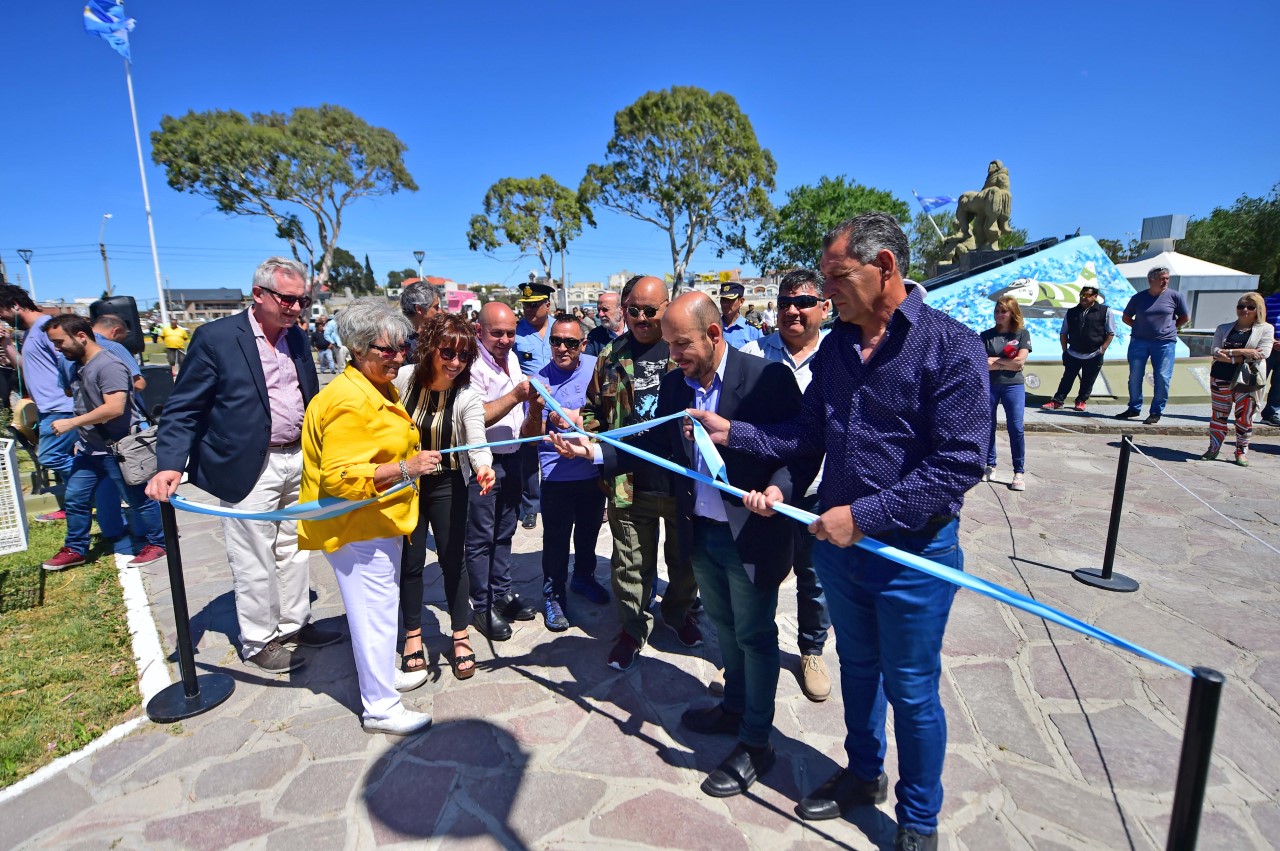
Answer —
801 312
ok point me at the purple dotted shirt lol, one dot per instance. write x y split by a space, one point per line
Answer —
905 435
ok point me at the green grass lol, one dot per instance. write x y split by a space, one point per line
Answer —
66 668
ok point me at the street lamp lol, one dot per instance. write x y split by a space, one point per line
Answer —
419 255
102 246
25 254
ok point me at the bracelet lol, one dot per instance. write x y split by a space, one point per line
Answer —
404 472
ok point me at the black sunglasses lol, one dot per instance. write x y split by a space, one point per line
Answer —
1244 305
302 301
455 354
799 302
570 343
649 312
389 352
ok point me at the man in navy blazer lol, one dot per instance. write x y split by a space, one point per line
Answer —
234 424
739 558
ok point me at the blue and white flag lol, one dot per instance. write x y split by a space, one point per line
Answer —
931 204
105 19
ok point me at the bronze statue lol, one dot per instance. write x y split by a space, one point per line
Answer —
981 217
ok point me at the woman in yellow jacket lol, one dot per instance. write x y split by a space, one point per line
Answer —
357 441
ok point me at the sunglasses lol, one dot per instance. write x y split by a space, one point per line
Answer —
1246 306
389 352
570 343
799 302
447 355
649 312
302 301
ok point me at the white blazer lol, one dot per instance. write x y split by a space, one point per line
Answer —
468 423
1262 338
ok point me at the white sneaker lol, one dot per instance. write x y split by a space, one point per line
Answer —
410 680
401 722
987 473
1019 483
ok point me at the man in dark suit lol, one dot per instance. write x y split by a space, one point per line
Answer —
739 558
234 423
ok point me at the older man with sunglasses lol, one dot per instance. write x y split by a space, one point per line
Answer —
573 503
234 423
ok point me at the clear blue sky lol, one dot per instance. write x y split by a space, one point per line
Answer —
1103 112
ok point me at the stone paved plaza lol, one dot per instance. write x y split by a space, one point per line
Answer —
1056 741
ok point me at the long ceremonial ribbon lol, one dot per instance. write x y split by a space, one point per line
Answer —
331 506
940 571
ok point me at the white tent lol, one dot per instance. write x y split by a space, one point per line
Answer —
1210 290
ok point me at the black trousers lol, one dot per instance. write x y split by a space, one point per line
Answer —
491 524
569 510
1273 395
1086 368
442 505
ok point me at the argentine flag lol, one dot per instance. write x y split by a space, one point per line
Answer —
931 204
106 20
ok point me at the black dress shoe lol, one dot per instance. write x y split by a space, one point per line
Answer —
712 721
843 792
911 840
739 771
1128 414
492 625
529 520
1151 420
514 609
1273 419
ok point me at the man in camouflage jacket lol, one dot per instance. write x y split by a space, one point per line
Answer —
624 391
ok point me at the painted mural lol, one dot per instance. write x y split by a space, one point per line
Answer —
1045 284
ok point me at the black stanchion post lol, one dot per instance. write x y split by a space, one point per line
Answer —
194 694
1193 767
1107 578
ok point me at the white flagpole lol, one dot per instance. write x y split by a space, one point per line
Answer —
929 217
146 199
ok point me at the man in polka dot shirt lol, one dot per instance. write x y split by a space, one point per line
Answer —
898 404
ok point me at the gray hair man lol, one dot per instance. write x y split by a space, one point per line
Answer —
1155 315
610 322
234 423
419 302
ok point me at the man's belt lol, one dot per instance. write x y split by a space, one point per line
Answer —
932 526
290 445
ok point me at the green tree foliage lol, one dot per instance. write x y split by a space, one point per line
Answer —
397 279
688 162
926 247
367 280
270 164
1120 252
347 273
792 236
537 215
1246 237
1015 238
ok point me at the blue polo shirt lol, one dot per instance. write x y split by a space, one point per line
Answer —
740 333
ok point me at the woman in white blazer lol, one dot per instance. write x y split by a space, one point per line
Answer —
1238 377
448 414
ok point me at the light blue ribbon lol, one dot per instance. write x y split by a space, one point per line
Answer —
949 574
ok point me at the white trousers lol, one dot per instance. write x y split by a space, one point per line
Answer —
368 574
269 574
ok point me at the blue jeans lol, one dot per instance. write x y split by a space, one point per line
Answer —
889 621
1013 398
326 360
746 623
1161 354
812 621
87 472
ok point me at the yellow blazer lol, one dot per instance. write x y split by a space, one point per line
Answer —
350 429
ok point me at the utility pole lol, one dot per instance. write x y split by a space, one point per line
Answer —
25 254
564 286
102 246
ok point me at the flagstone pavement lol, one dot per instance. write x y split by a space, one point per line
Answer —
1056 741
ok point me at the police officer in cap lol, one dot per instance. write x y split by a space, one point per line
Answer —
737 332
533 350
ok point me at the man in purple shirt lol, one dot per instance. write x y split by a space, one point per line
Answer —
898 403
